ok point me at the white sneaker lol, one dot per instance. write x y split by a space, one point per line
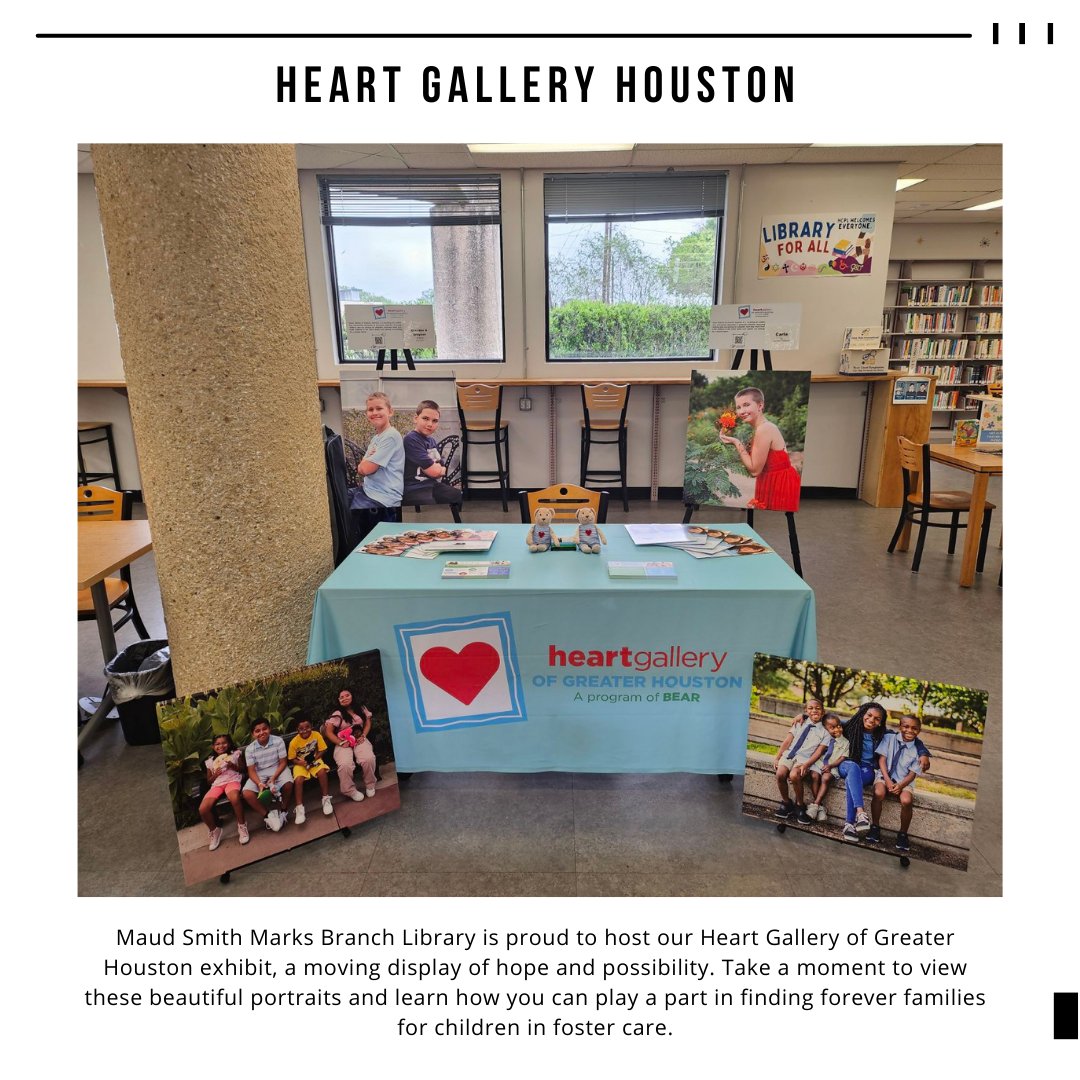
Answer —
327 805
242 832
862 822
822 813
215 839
357 795
299 815
273 821
370 793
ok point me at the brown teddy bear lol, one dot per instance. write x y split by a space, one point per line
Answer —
539 537
589 536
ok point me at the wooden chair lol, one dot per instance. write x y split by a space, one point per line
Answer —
480 412
104 504
566 500
609 428
921 502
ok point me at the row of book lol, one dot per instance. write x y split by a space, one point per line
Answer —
952 399
946 349
941 321
986 320
943 295
971 374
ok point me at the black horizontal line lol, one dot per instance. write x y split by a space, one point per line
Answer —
467 36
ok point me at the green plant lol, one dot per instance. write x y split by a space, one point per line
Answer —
586 328
186 736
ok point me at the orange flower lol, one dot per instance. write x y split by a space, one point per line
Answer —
728 420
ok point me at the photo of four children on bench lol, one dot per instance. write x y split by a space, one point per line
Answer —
886 735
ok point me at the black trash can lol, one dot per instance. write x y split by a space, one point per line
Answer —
139 677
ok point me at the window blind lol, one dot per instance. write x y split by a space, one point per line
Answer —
409 200
581 197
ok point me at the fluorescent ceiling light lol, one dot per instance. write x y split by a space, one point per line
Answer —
986 205
544 148
910 182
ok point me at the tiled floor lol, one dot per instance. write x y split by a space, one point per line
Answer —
558 834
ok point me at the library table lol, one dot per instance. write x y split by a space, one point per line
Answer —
982 466
558 666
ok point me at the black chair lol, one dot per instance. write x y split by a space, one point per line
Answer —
342 527
489 430
104 504
921 503
608 429
88 433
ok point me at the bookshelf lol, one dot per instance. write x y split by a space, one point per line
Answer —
944 318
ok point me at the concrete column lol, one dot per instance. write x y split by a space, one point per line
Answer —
467 269
206 263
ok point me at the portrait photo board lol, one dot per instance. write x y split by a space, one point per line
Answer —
189 726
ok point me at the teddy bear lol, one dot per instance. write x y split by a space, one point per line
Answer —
589 536
540 537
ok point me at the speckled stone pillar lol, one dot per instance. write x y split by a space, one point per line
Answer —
209 285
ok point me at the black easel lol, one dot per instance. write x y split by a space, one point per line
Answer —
765 355
793 536
381 359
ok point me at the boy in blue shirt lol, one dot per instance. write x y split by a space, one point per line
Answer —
424 470
381 470
898 765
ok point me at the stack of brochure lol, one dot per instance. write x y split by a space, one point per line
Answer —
430 543
701 541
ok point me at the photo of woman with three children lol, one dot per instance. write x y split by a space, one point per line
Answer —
260 767
885 762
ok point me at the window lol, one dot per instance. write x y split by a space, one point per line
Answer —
632 264
419 240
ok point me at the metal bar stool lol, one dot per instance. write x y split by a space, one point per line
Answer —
484 398
102 429
608 429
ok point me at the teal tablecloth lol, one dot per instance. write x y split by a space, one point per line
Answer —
559 666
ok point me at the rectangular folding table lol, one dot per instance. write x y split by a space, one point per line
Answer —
559 666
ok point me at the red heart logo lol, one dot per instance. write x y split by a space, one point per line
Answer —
461 674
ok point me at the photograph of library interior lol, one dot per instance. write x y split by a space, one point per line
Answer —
649 477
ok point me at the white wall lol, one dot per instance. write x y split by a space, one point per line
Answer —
829 304
946 242
834 435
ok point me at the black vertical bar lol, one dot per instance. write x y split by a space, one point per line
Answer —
380 361
738 360
768 359
1023 33
409 359
1065 1016
996 34
1049 33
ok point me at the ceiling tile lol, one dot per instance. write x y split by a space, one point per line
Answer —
462 160
962 172
752 155
981 154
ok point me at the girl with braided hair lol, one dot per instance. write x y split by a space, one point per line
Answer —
864 732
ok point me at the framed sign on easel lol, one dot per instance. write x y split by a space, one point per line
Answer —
390 328
758 328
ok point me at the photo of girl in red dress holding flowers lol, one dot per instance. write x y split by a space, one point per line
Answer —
744 440
766 458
